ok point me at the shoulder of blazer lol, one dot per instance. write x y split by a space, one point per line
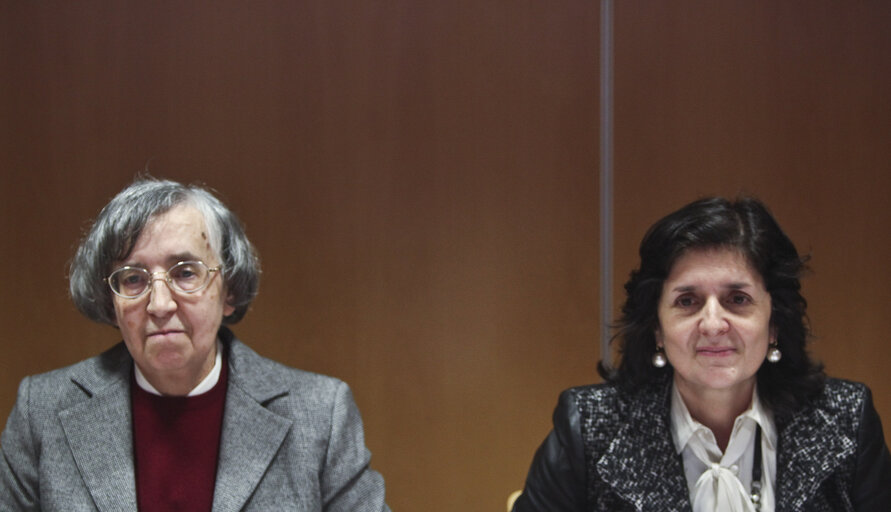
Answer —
843 396
607 405
818 442
606 409
835 412
626 435
60 388
265 380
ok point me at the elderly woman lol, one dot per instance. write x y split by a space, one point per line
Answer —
715 404
181 415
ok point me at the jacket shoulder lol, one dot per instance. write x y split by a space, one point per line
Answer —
269 382
596 410
245 359
608 402
842 399
61 387
593 398
839 390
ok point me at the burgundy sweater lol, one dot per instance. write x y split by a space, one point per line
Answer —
176 443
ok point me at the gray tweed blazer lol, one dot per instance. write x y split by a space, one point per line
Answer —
291 440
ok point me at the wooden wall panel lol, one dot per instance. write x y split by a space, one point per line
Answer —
418 178
787 101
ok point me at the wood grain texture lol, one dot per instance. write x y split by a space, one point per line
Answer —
420 179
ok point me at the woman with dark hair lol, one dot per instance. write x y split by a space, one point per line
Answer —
180 415
715 404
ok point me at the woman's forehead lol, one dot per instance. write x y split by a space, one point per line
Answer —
175 235
726 263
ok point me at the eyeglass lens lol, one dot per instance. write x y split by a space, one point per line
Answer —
186 276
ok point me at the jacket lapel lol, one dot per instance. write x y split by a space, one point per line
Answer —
640 456
809 450
99 432
252 434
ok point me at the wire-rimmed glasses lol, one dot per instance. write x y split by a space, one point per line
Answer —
183 277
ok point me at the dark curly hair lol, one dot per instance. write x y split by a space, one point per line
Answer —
745 225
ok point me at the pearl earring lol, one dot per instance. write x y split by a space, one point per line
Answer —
659 360
774 355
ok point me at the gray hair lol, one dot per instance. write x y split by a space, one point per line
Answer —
114 233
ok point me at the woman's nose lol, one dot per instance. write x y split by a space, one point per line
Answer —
161 301
714 321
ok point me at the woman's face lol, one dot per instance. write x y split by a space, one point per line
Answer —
171 335
714 322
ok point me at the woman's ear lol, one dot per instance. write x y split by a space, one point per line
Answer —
228 308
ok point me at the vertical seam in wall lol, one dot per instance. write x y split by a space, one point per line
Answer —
606 177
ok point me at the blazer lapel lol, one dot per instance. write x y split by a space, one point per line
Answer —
809 450
252 434
641 455
99 433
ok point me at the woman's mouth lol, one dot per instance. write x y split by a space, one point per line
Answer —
716 351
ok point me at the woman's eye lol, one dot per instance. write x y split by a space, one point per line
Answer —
133 280
739 299
685 301
184 273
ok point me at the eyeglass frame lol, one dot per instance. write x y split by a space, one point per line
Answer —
167 279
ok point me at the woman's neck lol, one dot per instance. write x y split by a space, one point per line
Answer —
717 409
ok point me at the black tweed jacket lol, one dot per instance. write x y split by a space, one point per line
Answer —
613 451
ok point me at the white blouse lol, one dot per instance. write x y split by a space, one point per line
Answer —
723 481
